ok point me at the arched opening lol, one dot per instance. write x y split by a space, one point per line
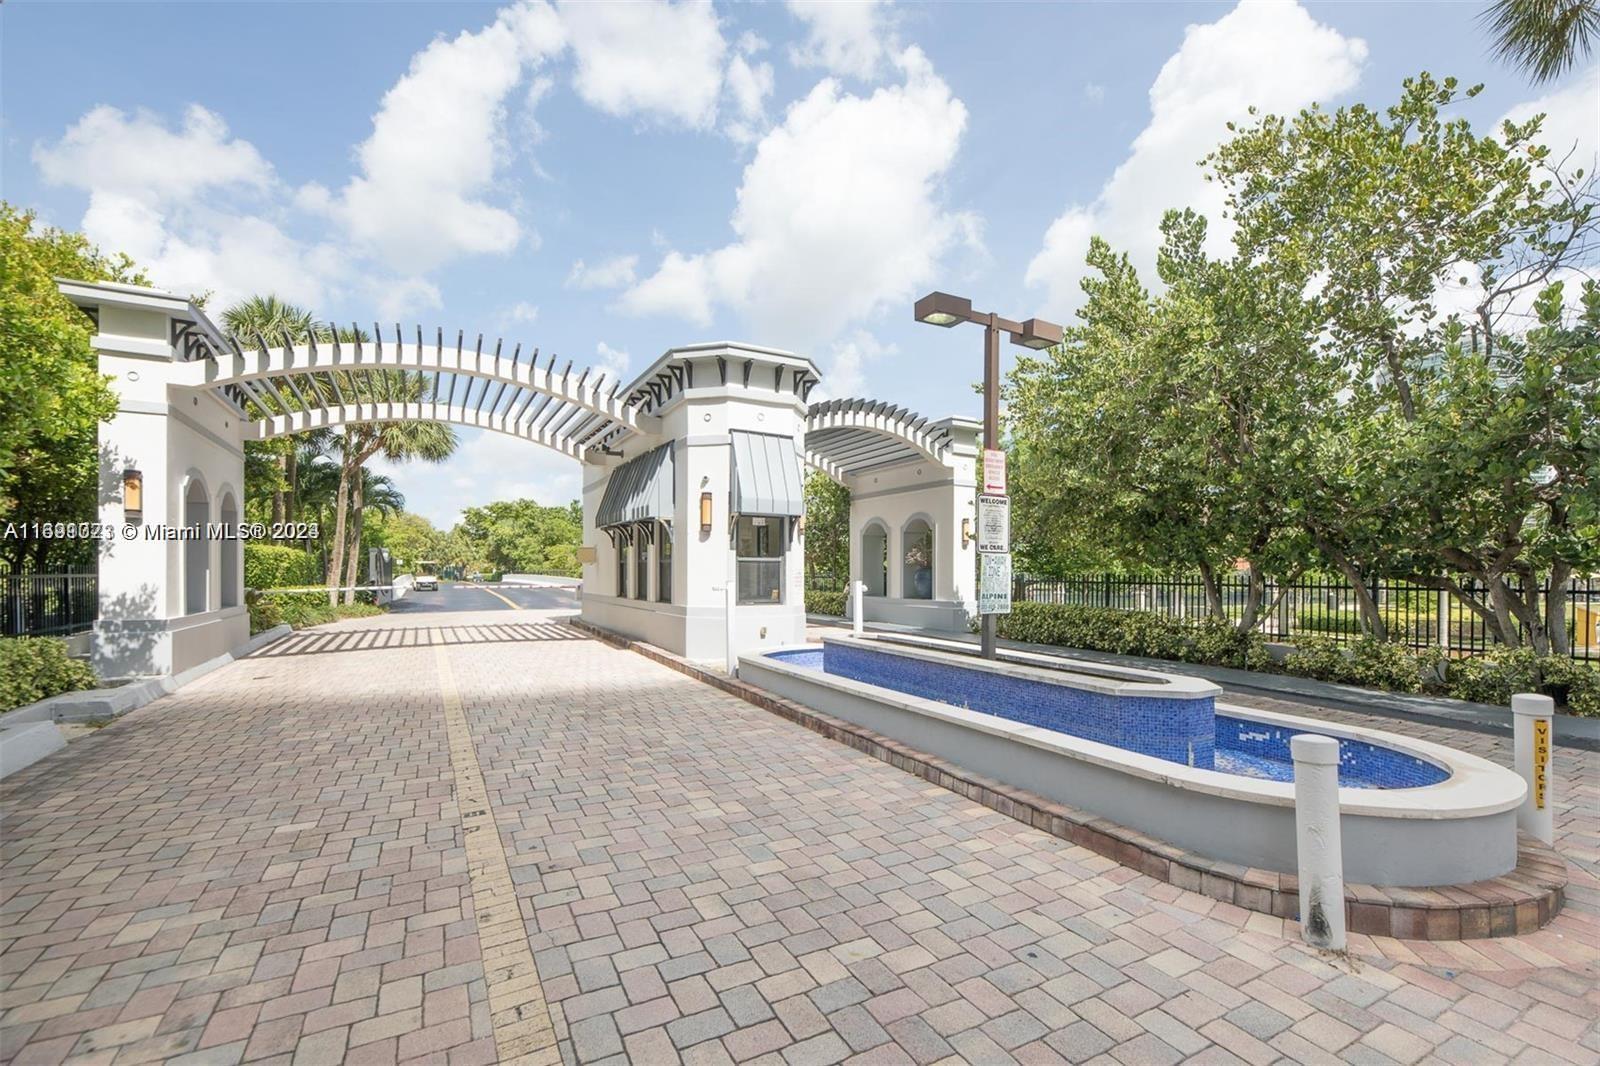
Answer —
196 549
875 559
916 546
231 552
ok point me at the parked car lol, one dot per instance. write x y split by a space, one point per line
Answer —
426 582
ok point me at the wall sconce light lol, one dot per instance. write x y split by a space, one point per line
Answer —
800 525
966 532
132 495
705 512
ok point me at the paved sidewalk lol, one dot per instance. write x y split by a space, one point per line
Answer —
271 866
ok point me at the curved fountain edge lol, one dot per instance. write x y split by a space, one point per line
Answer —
1514 904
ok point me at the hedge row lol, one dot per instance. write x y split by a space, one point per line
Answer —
35 668
277 566
828 603
301 609
1491 678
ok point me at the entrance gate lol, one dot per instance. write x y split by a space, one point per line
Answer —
693 503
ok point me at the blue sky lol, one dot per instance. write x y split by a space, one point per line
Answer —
606 181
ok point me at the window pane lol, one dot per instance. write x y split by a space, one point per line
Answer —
641 570
760 537
760 580
664 567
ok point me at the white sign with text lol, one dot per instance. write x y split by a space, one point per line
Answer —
994 583
994 523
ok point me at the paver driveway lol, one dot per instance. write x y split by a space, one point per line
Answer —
272 866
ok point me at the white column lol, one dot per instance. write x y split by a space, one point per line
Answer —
857 622
1531 740
1317 841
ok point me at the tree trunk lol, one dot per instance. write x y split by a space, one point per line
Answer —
358 505
1555 609
292 504
1255 597
1371 620
336 564
1500 604
279 507
1213 590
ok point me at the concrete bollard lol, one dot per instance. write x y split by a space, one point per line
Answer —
857 623
1531 738
1318 845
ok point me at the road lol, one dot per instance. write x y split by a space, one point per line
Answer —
471 596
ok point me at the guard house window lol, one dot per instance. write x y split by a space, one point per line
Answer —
760 544
663 563
622 566
641 565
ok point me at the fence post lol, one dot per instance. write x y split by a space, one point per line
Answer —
1530 722
1444 619
1105 589
1318 846
858 624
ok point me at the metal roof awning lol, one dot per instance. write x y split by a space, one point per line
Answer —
766 475
640 490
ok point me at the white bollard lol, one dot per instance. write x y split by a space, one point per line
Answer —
858 624
730 596
1318 845
1531 728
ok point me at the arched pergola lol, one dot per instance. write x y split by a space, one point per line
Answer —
293 387
849 436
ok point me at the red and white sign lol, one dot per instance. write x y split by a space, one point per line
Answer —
994 472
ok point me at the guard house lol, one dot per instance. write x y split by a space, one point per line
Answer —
707 510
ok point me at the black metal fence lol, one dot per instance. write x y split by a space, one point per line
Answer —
1414 615
48 605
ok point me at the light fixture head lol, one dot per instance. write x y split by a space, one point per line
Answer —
705 512
942 309
1037 333
132 494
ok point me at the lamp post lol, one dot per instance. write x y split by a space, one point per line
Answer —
942 309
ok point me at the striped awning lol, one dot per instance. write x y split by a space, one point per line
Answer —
640 490
766 475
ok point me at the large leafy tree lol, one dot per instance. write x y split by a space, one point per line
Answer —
52 395
520 536
827 527
1421 236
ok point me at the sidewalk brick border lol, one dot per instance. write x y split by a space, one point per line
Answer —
1514 905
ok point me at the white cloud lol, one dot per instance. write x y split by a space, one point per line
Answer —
420 199
194 205
840 213
652 59
612 363
847 38
749 84
487 466
845 371
607 274
1268 54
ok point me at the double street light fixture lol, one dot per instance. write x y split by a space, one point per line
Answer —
943 309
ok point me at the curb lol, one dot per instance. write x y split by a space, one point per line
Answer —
1515 904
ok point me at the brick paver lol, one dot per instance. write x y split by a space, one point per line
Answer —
270 866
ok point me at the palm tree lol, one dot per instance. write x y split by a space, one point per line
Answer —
431 442
1543 38
375 491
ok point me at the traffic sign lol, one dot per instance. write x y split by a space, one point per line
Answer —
994 472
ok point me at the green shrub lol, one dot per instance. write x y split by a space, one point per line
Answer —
301 609
1145 633
34 668
828 603
1368 662
277 566
1496 676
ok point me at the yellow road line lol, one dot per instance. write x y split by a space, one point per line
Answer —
523 1032
513 604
